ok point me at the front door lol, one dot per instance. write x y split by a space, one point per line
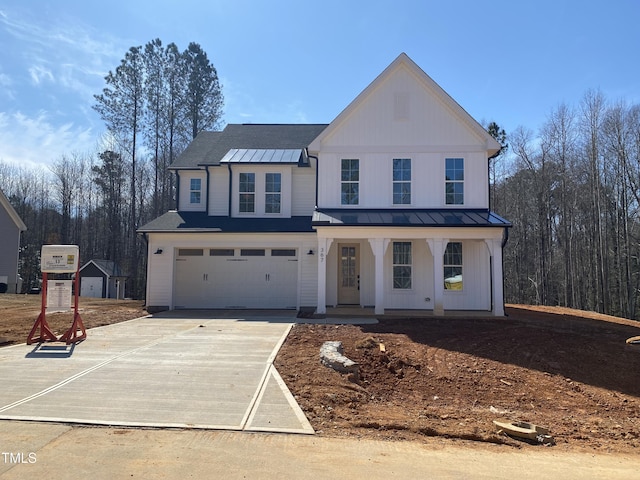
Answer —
348 274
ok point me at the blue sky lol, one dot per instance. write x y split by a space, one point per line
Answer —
290 61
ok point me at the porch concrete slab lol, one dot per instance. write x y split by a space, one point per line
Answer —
188 371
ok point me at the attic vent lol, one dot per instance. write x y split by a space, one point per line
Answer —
401 106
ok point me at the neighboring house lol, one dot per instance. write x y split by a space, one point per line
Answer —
11 226
387 206
102 279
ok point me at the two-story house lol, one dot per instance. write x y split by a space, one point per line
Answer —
387 206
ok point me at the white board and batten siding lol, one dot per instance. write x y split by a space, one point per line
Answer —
303 191
185 191
403 116
219 191
427 174
264 281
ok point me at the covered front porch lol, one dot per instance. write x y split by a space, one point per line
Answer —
432 269
369 312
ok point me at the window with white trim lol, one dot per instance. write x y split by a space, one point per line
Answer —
350 181
273 192
453 266
454 181
247 189
402 265
195 190
402 181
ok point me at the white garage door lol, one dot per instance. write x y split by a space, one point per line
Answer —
91 287
236 278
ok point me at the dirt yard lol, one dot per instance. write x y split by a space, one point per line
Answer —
19 312
450 378
439 379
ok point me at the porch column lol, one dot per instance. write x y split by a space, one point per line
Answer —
437 247
497 294
323 250
378 245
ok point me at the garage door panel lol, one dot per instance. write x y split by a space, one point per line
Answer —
240 281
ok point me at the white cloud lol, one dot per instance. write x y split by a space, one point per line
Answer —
34 140
61 48
40 74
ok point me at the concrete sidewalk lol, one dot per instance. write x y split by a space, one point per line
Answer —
45 450
185 370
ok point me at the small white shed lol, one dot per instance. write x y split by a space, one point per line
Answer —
102 279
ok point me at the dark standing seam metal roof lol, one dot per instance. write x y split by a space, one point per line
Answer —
209 148
199 221
337 217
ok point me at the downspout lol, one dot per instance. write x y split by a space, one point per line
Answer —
505 239
177 190
230 188
146 277
317 170
208 189
489 173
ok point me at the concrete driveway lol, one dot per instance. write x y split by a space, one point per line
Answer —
210 370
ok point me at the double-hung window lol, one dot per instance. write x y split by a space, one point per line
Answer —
247 193
273 192
402 265
350 182
195 190
454 181
453 266
402 181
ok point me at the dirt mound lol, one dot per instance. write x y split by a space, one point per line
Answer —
452 377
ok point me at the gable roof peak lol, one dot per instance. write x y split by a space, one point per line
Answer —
4 202
403 60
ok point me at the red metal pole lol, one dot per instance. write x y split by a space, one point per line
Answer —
45 332
71 335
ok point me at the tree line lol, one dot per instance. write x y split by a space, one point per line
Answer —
153 104
571 188
572 192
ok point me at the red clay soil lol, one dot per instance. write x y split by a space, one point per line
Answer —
18 313
566 370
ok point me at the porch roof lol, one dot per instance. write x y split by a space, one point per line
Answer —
443 217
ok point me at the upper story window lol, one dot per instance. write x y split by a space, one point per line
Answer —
273 192
454 176
350 182
402 181
247 190
453 266
195 190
